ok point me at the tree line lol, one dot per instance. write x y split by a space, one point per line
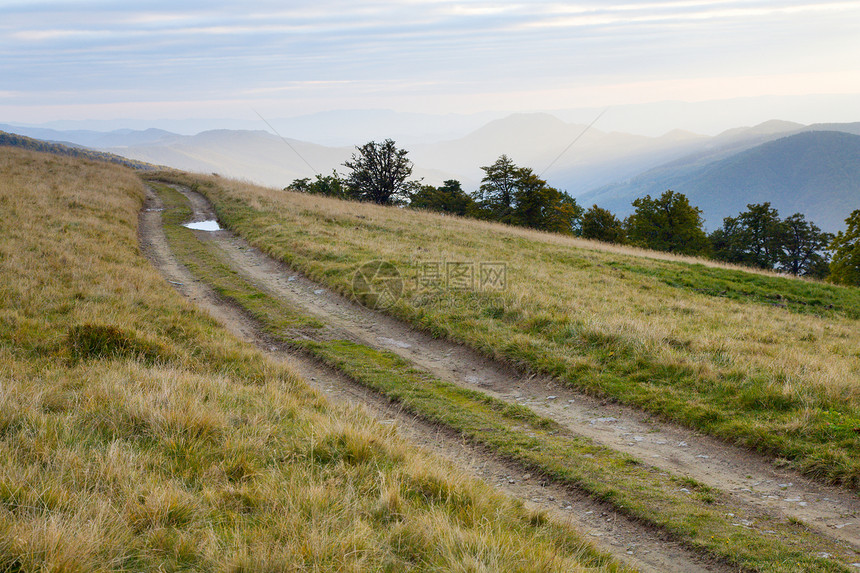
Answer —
758 237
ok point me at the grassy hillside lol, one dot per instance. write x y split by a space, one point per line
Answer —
759 360
135 434
20 141
705 521
816 173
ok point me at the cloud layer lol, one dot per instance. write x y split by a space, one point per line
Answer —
416 54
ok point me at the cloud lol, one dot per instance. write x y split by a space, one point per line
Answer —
335 50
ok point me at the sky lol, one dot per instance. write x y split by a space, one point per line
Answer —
77 60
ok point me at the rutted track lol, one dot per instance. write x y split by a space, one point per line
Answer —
748 478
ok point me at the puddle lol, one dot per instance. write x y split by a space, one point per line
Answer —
211 225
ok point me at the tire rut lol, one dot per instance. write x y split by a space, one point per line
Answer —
834 512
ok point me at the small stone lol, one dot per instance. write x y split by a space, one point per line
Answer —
291 279
527 476
682 444
319 291
551 397
704 457
638 438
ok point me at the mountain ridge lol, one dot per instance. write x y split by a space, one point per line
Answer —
815 172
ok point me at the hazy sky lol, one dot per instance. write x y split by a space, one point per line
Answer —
171 59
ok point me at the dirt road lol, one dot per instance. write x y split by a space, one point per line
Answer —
748 478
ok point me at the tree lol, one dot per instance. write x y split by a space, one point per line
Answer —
563 214
752 238
539 206
803 247
449 198
761 234
380 173
518 196
668 223
328 185
601 225
845 266
498 189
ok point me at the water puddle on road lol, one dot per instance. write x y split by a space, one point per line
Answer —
211 225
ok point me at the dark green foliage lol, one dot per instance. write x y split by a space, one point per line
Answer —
498 188
380 173
758 237
542 207
845 267
668 223
601 225
328 185
752 238
517 196
803 247
449 198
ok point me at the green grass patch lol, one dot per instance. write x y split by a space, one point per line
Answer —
138 435
756 360
803 297
694 513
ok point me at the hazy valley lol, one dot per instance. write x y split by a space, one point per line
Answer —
720 173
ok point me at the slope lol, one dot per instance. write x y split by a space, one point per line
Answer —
755 359
137 435
816 173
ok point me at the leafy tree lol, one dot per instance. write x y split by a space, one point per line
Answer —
724 241
328 185
752 238
517 196
498 189
539 206
761 235
449 198
600 224
380 173
803 247
845 266
668 223
563 214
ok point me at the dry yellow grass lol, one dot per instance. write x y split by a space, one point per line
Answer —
769 348
137 435
806 349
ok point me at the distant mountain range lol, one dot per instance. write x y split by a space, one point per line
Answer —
816 173
811 169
